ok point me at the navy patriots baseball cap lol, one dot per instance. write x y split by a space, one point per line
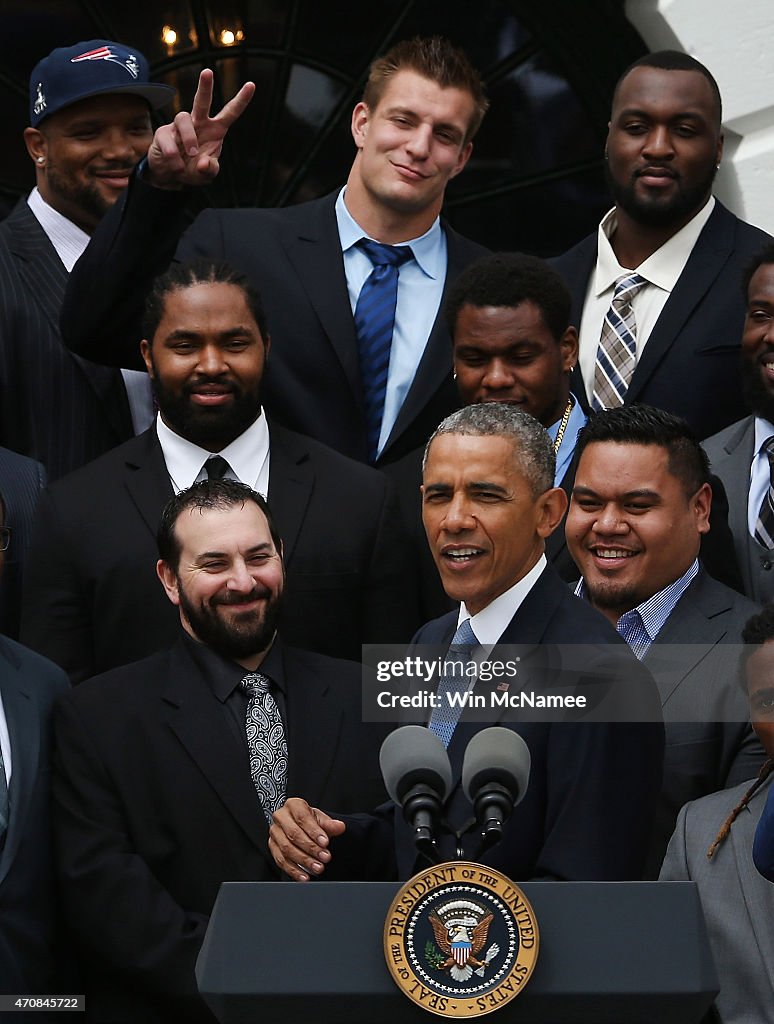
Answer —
92 68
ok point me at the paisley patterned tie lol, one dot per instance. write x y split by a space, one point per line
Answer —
266 743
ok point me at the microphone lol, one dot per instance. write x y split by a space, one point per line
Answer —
495 774
417 774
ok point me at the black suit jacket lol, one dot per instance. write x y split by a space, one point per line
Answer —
690 365
28 686
710 744
293 256
588 808
54 406
91 596
154 807
21 481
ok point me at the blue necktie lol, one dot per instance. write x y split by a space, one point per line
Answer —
374 323
454 682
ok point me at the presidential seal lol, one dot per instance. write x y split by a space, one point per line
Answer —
460 939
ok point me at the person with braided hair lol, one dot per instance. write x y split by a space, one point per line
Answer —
712 846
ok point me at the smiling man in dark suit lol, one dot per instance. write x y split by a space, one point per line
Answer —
91 600
371 400
655 291
90 107
489 503
167 771
640 506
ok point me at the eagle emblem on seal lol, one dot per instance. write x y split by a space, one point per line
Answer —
461 928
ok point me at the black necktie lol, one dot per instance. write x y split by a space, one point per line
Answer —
216 467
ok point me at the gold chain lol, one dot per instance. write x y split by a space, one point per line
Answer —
562 426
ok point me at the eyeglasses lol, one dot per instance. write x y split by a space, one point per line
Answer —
5 537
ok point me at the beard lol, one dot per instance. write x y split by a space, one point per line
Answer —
241 635
209 428
87 198
612 596
655 211
757 396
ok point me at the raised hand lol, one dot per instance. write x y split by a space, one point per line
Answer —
186 151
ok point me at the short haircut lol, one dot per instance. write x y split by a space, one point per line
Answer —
766 255
643 424
674 60
507 279
532 446
204 496
180 276
757 631
434 58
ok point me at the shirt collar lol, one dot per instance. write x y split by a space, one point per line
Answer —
491 622
223 675
427 249
655 611
663 267
67 238
185 459
764 429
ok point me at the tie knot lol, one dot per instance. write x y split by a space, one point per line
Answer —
385 255
464 637
768 448
627 287
255 684
216 467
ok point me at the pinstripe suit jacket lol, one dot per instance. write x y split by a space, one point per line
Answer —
21 481
54 406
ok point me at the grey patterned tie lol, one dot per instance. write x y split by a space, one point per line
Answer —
617 352
454 683
4 807
764 526
266 743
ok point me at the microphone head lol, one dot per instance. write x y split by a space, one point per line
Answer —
496 755
413 755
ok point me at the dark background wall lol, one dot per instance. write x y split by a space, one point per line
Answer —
535 180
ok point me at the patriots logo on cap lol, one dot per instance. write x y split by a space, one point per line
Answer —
40 99
107 53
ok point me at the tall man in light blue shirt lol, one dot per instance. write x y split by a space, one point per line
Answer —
412 131
640 506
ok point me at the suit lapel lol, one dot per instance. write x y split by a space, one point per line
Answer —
310 246
209 741
23 720
314 725
146 477
694 616
291 479
45 279
705 264
735 469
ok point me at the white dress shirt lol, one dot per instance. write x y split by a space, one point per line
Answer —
247 455
661 270
5 743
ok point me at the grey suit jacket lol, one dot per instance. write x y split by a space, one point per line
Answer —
709 741
738 904
730 452
54 406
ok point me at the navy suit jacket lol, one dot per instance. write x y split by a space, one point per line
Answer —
588 808
154 807
293 256
21 481
28 686
690 365
54 406
92 599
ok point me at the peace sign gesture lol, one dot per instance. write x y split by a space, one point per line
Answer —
186 151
